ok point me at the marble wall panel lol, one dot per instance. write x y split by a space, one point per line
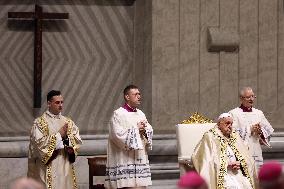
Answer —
267 56
209 82
188 87
165 64
229 18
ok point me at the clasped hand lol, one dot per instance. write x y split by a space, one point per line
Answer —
142 125
234 166
63 130
256 129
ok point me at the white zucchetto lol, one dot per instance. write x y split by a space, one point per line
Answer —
224 115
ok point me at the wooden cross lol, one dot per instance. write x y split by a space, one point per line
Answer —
38 16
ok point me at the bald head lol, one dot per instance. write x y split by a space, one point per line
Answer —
26 183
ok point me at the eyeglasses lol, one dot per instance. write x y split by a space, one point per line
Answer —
249 97
228 123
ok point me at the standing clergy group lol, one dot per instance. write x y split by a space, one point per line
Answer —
55 140
227 156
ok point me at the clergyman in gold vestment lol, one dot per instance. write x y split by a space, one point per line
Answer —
222 158
54 143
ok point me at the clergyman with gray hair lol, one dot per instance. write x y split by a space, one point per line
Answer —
252 125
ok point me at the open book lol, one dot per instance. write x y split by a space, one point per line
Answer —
263 138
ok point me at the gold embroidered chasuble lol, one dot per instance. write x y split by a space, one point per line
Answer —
55 171
210 160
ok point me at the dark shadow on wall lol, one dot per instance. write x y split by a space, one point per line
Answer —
70 2
47 25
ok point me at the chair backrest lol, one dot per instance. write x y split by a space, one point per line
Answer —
188 136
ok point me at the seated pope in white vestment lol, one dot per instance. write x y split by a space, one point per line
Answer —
222 159
130 138
251 125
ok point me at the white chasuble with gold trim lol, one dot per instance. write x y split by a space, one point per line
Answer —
48 162
212 156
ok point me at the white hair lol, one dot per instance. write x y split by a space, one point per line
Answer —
243 90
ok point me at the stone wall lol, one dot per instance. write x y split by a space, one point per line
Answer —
185 55
205 51
90 57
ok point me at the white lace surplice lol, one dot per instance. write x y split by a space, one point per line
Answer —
243 122
127 156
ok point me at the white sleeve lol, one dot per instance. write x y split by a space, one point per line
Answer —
266 128
124 138
59 142
149 134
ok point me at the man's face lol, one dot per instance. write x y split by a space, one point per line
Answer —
55 105
225 125
133 98
247 99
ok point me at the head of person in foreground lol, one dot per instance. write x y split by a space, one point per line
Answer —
192 180
271 176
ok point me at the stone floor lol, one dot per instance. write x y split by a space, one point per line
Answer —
164 184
